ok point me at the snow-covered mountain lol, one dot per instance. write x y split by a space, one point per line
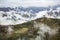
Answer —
28 9
20 15
53 13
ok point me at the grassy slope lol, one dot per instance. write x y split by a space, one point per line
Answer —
50 22
25 28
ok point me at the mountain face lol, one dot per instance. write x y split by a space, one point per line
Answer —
32 9
47 20
42 28
54 13
20 15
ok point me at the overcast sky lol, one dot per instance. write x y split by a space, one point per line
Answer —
28 3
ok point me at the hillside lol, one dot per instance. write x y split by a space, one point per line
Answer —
51 23
31 29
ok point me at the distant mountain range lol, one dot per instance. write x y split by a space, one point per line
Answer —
32 9
18 15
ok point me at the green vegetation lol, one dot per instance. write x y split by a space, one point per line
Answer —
27 30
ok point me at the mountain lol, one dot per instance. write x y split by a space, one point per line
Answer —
54 13
19 15
28 9
14 17
35 28
43 24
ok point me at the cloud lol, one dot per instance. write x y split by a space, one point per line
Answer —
27 3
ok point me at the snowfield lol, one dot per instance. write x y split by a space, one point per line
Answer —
14 17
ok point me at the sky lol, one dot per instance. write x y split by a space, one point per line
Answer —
28 3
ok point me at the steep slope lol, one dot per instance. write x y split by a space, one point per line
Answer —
30 30
41 26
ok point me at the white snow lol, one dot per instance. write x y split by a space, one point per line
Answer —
54 16
14 18
14 21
